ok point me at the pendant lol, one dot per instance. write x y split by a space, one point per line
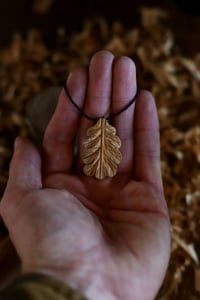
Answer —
101 154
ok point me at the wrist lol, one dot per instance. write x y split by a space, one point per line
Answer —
85 278
94 289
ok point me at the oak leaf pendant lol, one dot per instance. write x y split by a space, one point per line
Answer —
101 155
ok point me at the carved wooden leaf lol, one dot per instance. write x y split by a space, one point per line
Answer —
101 154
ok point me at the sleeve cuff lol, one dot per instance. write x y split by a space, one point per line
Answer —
35 286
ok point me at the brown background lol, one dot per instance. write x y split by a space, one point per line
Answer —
18 16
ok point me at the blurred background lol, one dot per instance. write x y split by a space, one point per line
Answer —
41 41
48 15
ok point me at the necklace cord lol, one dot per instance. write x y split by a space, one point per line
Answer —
95 119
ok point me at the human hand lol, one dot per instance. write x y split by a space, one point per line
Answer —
109 239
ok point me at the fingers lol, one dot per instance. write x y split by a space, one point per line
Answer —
107 88
58 145
124 88
147 141
24 173
98 94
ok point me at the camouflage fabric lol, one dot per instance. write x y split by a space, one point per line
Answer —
39 287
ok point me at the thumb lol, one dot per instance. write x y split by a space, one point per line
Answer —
25 168
24 173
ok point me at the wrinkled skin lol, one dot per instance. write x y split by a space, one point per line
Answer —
110 239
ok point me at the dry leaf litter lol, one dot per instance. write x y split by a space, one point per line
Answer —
28 67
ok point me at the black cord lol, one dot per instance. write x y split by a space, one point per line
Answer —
95 119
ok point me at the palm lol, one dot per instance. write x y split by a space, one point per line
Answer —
130 208
134 231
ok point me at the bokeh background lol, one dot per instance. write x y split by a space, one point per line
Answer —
48 15
42 40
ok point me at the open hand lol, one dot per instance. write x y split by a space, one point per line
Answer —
110 238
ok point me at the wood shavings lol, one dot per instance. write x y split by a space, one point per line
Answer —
150 17
189 248
28 67
42 6
197 279
192 140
